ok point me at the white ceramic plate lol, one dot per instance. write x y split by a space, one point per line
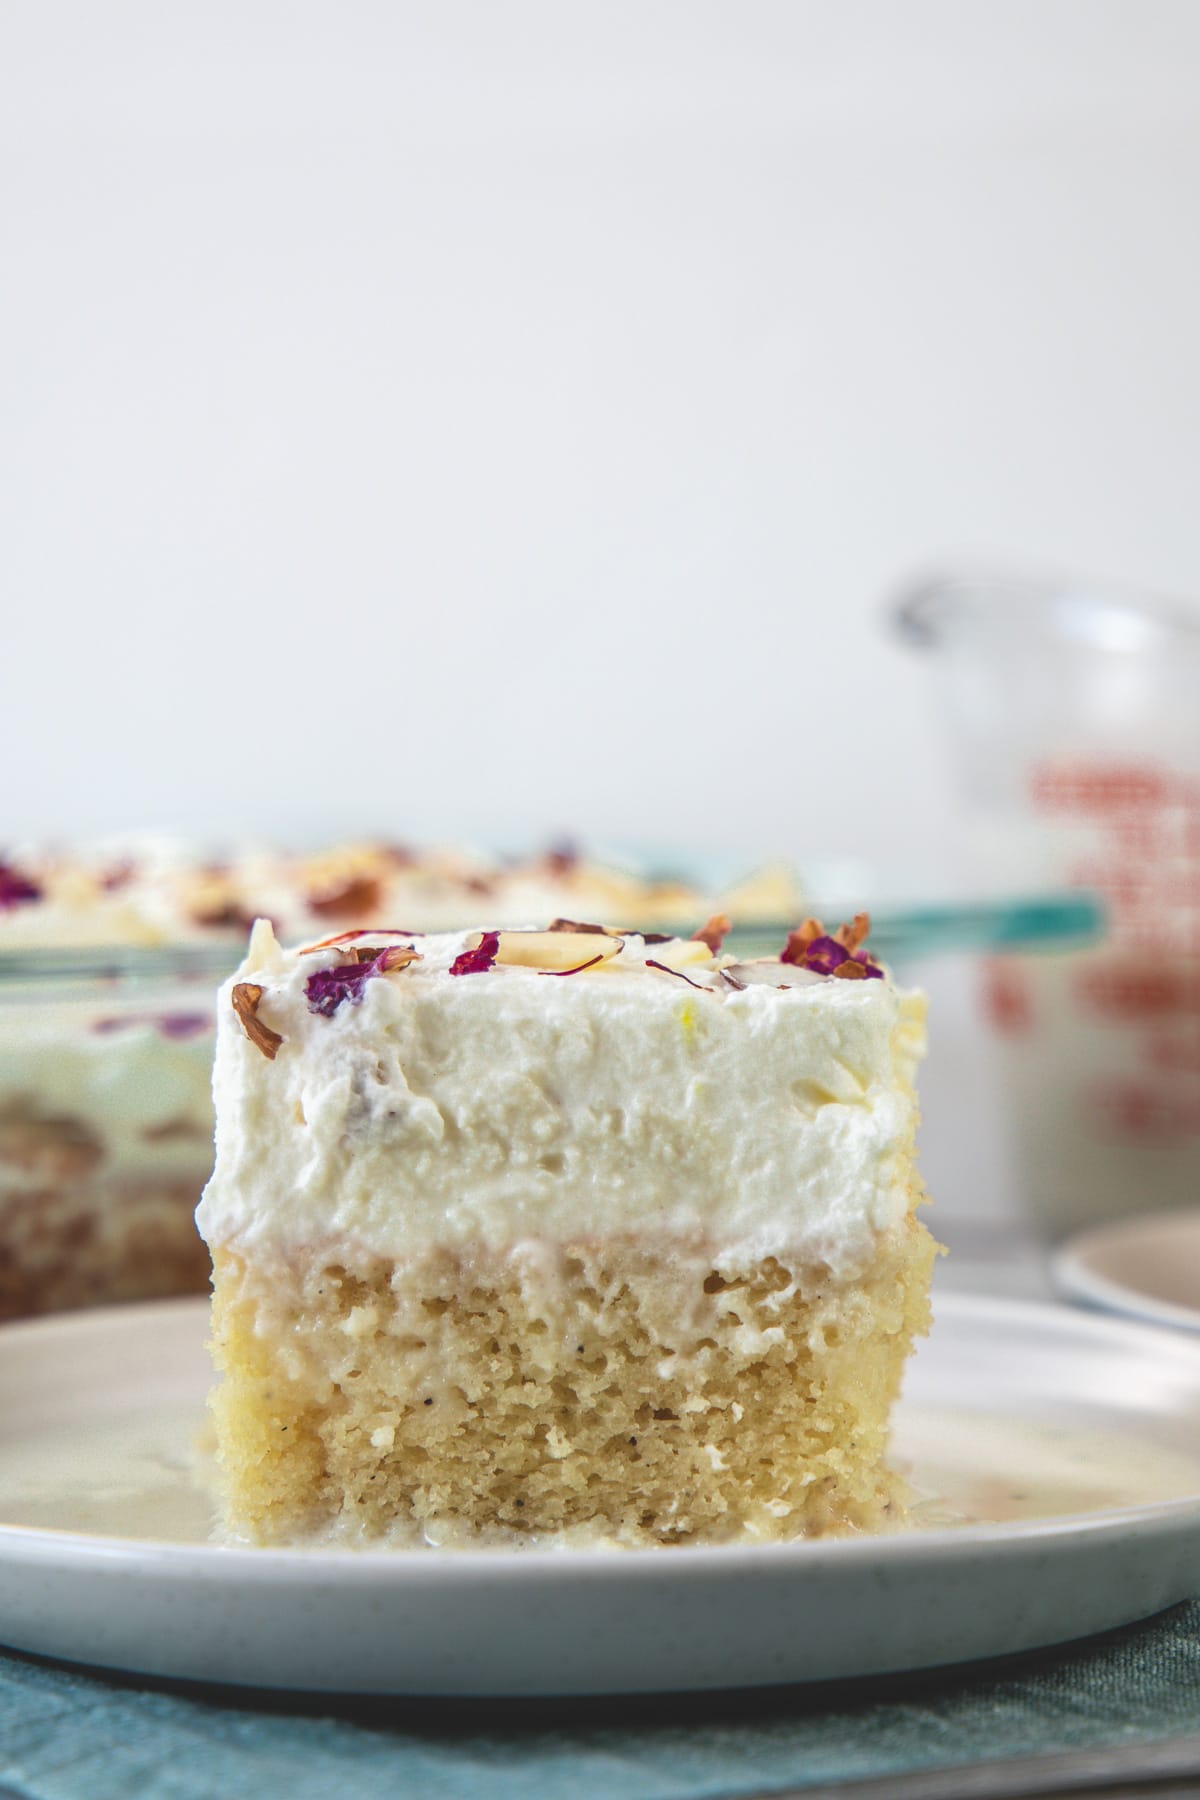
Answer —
1058 1455
1147 1268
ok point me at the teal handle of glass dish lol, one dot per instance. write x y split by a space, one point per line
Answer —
1045 921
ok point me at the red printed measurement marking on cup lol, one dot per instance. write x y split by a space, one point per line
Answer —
1128 990
1096 789
1135 831
1007 996
1134 1109
1144 853
1175 1049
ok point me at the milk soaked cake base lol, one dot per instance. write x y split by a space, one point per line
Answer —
626 1256
647 1398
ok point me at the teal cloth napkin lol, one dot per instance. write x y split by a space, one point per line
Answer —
66 1734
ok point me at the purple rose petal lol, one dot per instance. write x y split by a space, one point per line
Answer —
328 988
479 960
874 972
16 889
183 1025
178 1026
824 955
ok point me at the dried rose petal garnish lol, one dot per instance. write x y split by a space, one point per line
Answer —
808 947
796 948
339 937
562 858
479 960
579 967
825 954
714 932
651 964
246 996
118 876
328 988
172 1025
345 937
869 968
183 1025
852 935
16 889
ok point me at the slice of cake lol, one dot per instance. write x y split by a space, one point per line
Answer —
564 1235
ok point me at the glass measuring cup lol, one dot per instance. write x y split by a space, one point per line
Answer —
1074 718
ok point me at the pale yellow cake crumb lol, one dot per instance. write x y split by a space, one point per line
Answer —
643 1398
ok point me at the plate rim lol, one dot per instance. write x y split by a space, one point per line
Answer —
269 1564
1072 1275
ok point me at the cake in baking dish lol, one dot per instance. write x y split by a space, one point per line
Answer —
106 1124
570 1235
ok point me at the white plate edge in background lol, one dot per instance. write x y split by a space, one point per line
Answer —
1073 1274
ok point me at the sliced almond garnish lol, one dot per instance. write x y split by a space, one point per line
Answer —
577 970
246 996
263 952
556 951
339 937
361 894
713 932
681 953
766 971
576 926
850 971
228 915
388 956
345 937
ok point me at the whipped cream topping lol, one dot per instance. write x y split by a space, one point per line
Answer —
767 1114
135 1086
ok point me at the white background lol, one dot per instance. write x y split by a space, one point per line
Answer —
498 420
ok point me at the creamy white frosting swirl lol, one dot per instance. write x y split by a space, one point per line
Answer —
512 1109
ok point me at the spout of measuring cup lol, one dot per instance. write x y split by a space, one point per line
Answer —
1021 613
925 609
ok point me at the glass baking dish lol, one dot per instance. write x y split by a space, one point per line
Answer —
106 1121
105 1127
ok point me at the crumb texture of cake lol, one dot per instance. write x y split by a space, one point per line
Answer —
616 1248
641 1404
